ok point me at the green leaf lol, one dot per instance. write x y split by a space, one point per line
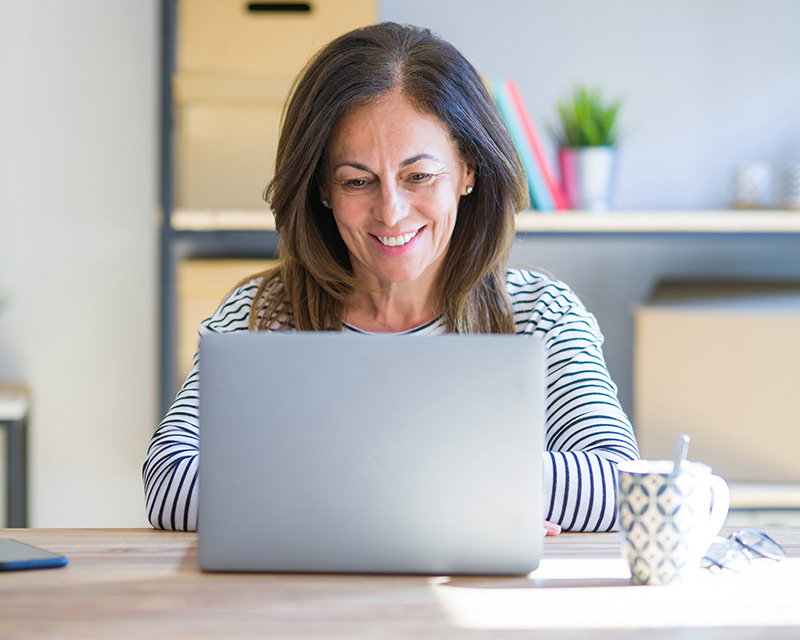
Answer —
586 120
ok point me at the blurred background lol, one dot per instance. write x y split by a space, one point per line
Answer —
707 85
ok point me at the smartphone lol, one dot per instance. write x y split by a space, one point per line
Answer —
15 555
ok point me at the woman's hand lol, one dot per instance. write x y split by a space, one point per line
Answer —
551 529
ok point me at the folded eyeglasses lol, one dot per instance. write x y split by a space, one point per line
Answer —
737 550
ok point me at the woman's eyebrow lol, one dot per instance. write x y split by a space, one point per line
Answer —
403 164
421 156
355 165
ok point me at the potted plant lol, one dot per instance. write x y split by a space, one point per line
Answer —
586 139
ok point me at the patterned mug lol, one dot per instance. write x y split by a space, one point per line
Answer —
668 520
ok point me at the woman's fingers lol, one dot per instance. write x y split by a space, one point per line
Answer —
551 529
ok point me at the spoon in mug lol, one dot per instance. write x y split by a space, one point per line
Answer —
680 451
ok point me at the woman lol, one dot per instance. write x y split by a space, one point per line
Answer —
395 188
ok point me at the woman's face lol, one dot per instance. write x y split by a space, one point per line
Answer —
393 181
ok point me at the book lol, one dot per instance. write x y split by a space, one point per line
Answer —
550 177
541 198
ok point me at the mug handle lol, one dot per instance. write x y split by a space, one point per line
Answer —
720 505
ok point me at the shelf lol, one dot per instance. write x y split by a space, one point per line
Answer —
561 222
222 220
662 222
764 496
13 402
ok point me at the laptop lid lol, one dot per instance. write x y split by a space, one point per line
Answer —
346 453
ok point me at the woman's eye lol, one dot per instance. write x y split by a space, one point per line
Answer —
419 177
356 183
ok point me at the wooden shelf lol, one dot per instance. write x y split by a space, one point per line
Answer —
733 222
662 222
222 220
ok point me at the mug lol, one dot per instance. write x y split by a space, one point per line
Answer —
752 185
791 187
668 520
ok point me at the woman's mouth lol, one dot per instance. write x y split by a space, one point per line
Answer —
397 241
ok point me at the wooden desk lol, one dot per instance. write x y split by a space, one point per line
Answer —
146 584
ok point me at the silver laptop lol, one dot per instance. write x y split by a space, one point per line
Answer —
346 453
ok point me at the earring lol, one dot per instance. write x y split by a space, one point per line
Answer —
326 204
469 189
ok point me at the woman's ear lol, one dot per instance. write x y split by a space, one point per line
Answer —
469 177
324 194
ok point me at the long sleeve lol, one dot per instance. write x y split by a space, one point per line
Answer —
170 468
587 433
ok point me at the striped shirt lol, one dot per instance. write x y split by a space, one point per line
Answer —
586 431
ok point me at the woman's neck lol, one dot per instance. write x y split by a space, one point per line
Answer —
388 312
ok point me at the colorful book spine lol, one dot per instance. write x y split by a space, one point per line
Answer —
540 194
550 177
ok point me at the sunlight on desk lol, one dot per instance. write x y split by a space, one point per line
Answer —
140 583
597 594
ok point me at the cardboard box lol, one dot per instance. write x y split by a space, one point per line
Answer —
721 362
225 37
235 68
225 153
201 287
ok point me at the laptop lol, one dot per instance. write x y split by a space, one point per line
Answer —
347 453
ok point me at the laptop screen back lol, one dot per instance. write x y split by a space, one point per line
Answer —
329 452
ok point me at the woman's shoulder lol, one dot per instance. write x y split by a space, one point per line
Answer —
540 301
527 283
233 312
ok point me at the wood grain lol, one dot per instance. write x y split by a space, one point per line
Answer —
143 583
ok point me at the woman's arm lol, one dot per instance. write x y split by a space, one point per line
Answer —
586 433
170 469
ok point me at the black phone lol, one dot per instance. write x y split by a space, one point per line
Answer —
15 555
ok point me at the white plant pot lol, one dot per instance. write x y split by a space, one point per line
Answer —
588 176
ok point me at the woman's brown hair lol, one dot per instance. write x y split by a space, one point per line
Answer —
313 279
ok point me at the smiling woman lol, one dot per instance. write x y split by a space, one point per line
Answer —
344 127
394 194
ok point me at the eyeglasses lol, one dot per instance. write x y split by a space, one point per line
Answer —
737 550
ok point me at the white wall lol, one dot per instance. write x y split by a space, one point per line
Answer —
707 83
78 247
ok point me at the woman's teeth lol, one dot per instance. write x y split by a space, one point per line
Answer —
397 241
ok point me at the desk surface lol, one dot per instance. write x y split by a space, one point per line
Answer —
144 584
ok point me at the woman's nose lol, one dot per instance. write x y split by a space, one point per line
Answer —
392 205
